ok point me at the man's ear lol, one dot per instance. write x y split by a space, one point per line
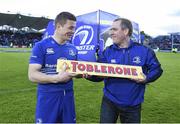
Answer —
59 26
126 31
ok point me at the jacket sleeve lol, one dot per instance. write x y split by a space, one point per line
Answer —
154 70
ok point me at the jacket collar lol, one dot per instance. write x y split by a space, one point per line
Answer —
117 47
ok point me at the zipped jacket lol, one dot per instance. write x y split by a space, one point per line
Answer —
123 91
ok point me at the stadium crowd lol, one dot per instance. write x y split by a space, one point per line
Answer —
28 39
164 42
19 39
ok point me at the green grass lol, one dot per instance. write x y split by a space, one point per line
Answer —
162 98
18 94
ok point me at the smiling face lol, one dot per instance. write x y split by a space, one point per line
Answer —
66 30
118 34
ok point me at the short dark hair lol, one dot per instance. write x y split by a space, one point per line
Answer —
62 17
125 24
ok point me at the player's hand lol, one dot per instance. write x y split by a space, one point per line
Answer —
143 80
64 76
78 75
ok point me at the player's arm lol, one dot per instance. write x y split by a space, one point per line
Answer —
35 75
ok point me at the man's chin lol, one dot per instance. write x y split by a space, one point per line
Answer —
115 42
67 37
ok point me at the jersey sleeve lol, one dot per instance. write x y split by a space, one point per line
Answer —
37 56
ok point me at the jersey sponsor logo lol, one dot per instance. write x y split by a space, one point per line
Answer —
137 59
85 34
50 65
49 51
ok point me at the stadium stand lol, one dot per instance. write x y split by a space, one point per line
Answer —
164 43
19 39
18 30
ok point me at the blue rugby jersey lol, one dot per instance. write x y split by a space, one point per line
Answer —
46 53
126 92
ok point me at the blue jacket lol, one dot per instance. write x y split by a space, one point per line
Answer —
126 92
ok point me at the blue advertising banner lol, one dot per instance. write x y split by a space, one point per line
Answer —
105 22
85 40
49 30
92 33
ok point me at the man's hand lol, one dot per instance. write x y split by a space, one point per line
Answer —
141 80
64 76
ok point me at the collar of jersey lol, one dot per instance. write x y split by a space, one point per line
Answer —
58 43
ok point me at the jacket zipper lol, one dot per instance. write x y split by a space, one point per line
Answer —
123 56
128 58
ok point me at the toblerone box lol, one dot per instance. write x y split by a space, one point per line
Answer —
100 69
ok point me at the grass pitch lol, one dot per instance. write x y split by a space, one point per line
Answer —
18 94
